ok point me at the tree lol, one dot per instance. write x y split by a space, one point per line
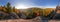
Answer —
13 9
4 8
0 8
47 11
8 7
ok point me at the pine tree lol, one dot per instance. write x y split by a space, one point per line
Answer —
8 7
13 9
4 8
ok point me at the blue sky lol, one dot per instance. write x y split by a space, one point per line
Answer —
45 3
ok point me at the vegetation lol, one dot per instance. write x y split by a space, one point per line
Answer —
47 11
29 13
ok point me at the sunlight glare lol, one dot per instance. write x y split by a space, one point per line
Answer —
21 7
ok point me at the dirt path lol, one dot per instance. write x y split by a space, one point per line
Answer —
22 20
17 20
29 20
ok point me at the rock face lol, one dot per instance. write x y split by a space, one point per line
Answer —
12 15
23 16
19 14
37 19
1 15
57 17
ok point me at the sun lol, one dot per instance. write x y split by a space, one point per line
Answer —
21 6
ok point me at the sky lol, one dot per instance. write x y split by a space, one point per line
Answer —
22 4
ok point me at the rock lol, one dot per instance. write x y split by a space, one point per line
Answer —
57 17
19 14
1 15
12 15
23 16
37 19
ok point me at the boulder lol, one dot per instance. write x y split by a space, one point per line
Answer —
1 15
12 15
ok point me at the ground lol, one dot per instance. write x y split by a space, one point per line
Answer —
37 19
